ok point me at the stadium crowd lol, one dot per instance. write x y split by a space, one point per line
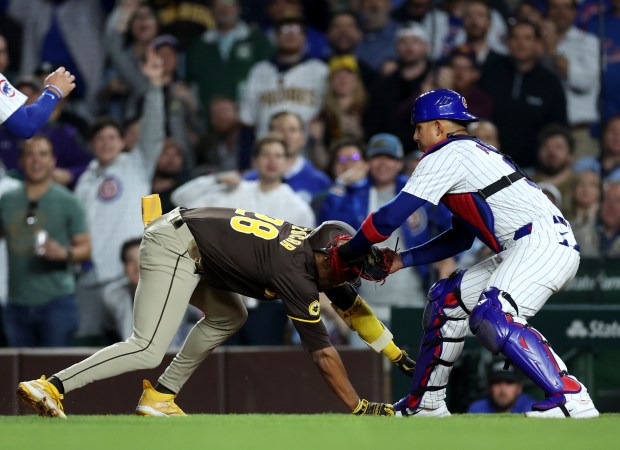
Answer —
172 95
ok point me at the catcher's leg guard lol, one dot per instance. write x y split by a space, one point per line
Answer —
524 347
445 326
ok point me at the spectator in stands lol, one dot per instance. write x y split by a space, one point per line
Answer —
610 158
277 10
611 74
269 195
586 196
220 60
344 105
389 109
184 118
169 173
301 175
344 35
505 393
603 240
352 198
46 234
219 151
527 96
435 22
71 157
574 56
377 45
111 189
484 30
65 33
348 166
290 81
555 162
130 30
461 74
485 131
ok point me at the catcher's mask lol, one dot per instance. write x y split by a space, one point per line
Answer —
325 239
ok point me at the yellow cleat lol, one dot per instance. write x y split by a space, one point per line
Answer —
42 396
153 403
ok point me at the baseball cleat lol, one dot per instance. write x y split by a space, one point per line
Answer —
153 403
42 396
558 407
442 411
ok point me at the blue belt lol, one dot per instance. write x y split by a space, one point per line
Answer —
526 230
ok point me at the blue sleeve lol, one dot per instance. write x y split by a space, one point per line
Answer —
447 244
27 120
381 224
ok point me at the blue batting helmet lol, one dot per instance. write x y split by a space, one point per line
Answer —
441 104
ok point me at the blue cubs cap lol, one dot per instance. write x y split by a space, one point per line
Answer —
384 144
441 104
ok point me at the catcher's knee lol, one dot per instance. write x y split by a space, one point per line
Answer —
489 322
444 294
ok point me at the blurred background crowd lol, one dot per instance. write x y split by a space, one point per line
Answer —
299 109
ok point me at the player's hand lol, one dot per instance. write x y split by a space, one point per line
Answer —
61 79
405 364
366 408
394 258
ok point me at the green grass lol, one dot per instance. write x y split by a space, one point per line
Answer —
316 432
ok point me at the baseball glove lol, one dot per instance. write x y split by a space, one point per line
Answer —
375 265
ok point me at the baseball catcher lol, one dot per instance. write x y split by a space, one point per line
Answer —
536 255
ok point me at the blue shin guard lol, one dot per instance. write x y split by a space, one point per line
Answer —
445 326
522 345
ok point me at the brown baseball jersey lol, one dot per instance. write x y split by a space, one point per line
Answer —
264 258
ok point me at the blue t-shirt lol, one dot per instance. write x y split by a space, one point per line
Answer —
485 406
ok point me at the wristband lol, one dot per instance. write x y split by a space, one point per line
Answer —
69 255
55 88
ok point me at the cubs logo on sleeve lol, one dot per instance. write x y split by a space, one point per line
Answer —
110 189
6 89
10 99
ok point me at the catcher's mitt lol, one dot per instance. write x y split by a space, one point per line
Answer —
375 265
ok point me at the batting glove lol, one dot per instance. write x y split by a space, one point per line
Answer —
366 408
405 364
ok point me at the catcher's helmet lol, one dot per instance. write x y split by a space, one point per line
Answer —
441 104
322 236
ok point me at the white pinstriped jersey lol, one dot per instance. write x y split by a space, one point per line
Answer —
459 169
268 91
10 99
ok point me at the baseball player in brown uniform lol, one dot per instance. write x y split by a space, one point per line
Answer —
207 257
